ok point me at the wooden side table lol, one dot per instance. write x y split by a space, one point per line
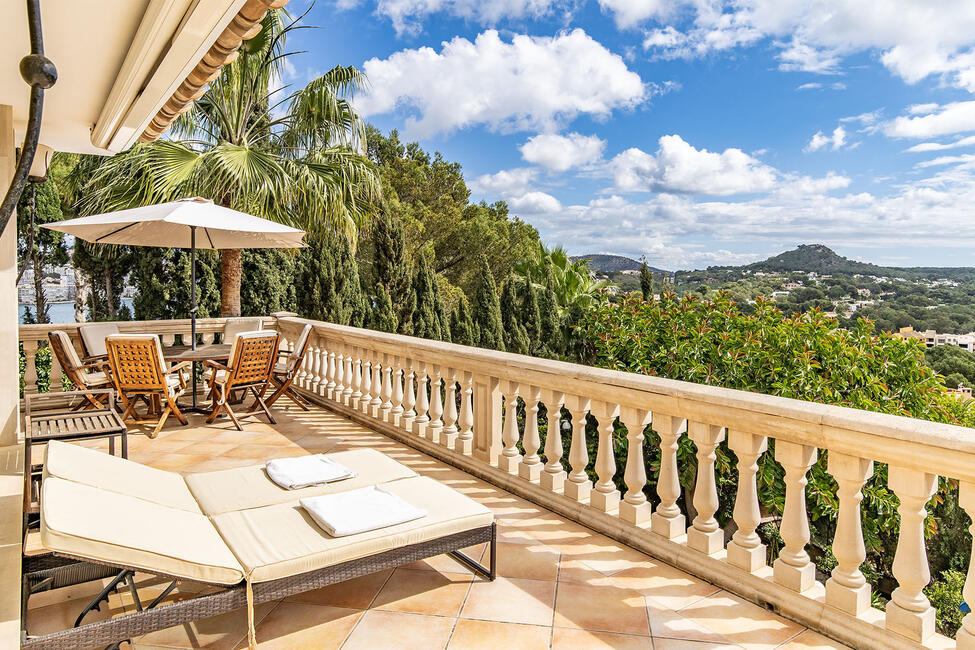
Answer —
66 425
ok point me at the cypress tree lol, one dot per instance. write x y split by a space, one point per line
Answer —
646 282
392 270
426 316
531 320
383 315
515 336
461 325
486 309
268 281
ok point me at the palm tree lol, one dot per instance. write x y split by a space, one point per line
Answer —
297 159
571 281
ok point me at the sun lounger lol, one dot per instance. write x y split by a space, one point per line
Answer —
233 528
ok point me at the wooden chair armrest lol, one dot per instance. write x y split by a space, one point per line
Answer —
88 365
216 365
182 365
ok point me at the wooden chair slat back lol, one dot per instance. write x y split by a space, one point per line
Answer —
67 356
253 357
136 362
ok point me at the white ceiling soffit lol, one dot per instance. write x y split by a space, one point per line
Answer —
119 62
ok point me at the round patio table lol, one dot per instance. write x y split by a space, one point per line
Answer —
210 352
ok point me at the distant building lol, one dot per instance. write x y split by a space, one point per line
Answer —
780 294
933 339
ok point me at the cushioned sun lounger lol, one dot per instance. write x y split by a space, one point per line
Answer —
224 528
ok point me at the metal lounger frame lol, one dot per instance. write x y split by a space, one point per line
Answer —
153 618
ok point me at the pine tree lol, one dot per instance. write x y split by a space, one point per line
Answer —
427 316
646 282
461 325
486 309
393 270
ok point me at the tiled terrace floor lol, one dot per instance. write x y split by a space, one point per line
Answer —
561 585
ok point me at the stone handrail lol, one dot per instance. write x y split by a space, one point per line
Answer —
450 400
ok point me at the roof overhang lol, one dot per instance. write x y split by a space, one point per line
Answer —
126 68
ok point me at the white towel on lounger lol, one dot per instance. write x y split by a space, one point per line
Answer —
304 471
358 511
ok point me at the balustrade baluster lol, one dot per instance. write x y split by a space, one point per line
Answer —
792 568
331 359
57 375
435 425
377 386
449 435
909 611
316 367
531 465
169 339
387 388
667 519
422 407
965 637
705 534
357 377
366 399
847 589
605 496
746 550
207 338
398 375
553 476
465 440
578 486
510 456
635 508
409 402
348 376
30 367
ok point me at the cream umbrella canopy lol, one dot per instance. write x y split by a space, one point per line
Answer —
187 223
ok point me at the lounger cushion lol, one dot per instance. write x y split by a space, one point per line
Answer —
85 521
282 540
249 487
100 470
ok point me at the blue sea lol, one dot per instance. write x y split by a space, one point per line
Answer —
61 312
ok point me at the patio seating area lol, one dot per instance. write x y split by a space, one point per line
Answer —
561 585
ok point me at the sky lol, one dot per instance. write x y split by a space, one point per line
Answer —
686 132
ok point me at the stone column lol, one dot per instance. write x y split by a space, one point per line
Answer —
847 589
793 568
746 550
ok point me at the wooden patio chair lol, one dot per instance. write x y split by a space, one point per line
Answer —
249 369
286 369
139 371
93 337
89 376
235 326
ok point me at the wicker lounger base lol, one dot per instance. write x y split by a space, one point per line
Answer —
136 624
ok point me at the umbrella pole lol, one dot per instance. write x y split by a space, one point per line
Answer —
193 304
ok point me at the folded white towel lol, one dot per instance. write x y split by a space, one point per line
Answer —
358 511
303 471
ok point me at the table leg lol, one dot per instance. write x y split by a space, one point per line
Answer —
111 445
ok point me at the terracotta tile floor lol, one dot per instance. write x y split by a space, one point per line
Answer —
560 586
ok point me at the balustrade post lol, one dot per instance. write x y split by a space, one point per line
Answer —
578 486
387 388
847 589
397 412
635 508
465 438
553 477
449 434
316 366
792 568
30 367
436 407
331 360
422 419
377 385
57 375
531 465
356 374
487 419
667 520
605 496
366 400
705 534
346 376
965 638
510 456
409 402
746 550
909 611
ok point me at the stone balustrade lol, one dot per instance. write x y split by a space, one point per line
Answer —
481 411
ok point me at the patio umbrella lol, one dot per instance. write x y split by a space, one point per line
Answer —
187 223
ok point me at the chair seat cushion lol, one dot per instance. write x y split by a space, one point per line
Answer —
106 526
100 470
282 540
249 487
95 379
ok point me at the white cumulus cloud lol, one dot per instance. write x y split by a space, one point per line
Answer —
835 141
562 152
933 120
679 167
529 83
967 141
516 187
407 16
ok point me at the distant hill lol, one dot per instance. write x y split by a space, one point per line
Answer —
611 263
815 257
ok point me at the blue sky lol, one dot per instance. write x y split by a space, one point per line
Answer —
691 132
